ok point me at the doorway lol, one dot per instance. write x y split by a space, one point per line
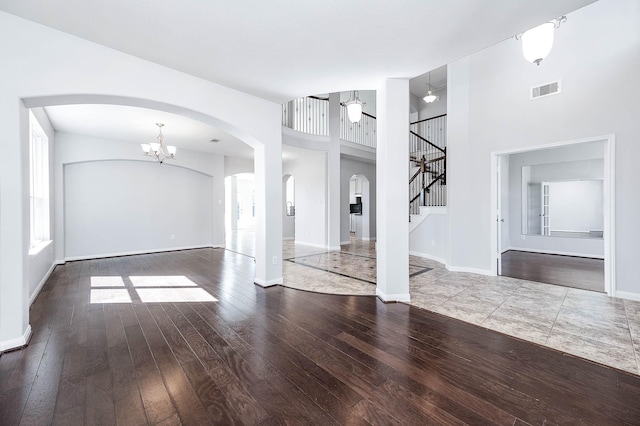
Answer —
554 213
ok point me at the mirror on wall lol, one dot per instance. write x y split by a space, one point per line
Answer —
555 205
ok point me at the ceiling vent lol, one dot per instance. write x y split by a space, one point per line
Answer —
545 90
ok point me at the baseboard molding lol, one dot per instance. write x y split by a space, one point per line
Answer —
428 256
342 243
627 295
135 252
268 283
44 279
16 343
304 243
369 239
387 298
288 238
334 248
561 253
470 270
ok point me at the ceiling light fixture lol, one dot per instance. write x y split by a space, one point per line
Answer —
354 107
156 149
538 41
430 97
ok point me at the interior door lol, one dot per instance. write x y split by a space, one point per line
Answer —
544 203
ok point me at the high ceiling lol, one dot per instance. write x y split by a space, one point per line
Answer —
279 50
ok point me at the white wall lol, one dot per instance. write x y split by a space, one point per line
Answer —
429 238
348 168
309 170
577 206
235 165
42 262
118 207
490 110
112 200
572 162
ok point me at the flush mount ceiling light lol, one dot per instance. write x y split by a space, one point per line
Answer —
538 41
354 107
430 97
156 149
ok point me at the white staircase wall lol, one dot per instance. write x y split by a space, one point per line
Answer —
428 234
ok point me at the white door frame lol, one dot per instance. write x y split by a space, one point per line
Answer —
609 202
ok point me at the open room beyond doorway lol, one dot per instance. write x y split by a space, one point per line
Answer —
554 218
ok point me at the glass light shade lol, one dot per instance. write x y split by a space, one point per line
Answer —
354 110
145 147
537 42
155 146
171 150
430 97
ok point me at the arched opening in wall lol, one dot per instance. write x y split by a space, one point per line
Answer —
155 206
289 215
359 208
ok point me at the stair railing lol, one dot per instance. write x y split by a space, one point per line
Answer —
427 185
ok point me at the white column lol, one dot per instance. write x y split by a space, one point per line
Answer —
14 225
268 193
233 208
333 173
217 228
392 173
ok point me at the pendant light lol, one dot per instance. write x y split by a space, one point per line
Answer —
354 107
538 41
430 97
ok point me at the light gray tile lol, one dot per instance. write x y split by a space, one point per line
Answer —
615 356
521 329
610 333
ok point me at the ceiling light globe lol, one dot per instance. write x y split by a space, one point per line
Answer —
537 42
354 111
430 98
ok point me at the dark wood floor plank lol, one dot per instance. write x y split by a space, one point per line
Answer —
277 355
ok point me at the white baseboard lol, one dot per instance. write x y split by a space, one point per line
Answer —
17 342
334 248
627 295
342 243
268 283
288 238
470 270
131 253
428 256
369 239
304 243
44 279
562 253
405 297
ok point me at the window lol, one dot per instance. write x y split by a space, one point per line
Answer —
39 182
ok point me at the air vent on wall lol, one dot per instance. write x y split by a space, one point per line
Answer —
545 90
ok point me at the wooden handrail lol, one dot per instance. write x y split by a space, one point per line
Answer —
423 139
427 119
433 182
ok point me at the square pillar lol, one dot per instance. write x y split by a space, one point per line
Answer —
333 173
392 191
268 193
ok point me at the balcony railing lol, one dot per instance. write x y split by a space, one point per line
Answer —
311 115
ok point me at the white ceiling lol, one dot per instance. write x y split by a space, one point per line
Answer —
279 50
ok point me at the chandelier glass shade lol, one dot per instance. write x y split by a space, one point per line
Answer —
157 149
430 97
538 41
354 107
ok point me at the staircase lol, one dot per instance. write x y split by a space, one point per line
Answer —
427 184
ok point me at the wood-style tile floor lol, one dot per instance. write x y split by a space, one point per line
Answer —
187 338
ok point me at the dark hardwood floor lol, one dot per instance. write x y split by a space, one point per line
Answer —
279 356
568 271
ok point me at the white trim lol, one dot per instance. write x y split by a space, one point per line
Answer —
369 239
288 238
470 270
559 252
334 248
44 279
18 342
130 253
428 256
60 262
627 295
404 297
609 202
268 283
342 243
312 244
34 250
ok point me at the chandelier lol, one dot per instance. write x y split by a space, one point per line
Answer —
354 107
156 149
